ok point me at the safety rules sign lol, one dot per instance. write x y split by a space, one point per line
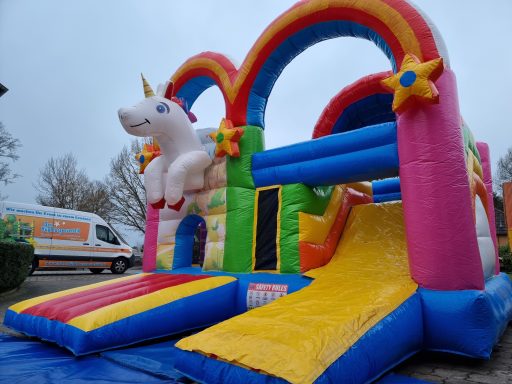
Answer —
260 294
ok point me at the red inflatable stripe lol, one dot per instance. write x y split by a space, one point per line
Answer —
70 306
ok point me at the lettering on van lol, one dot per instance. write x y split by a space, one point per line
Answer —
50 228
63 230
34 227
50 214
74 264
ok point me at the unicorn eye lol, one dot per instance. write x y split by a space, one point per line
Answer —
162 108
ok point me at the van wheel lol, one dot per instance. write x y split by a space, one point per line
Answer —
33 266
119 266
96 270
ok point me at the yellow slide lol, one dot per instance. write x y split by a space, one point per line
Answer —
366 280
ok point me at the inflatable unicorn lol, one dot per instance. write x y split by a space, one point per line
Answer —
183 159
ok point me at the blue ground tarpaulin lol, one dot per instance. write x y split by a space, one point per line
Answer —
26 361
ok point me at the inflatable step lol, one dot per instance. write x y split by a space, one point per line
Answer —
125 311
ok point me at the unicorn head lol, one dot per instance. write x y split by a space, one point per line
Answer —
160 116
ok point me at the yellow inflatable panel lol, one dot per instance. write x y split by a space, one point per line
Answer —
315 228
362 186
365 281
121 310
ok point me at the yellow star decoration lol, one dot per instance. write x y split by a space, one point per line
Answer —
226 139
148 153
414 82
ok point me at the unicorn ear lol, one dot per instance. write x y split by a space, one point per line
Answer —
165 90
169 90
160 90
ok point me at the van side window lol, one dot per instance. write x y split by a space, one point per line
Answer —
105 234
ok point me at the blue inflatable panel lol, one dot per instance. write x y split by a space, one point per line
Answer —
193 88
327 146
294 282
386 190
468 322
387 197
27 362
386 186
398 336
185 237
365 154
371 110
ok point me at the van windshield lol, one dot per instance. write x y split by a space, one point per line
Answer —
118 235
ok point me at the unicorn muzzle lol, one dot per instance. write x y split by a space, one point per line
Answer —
123 114
132 123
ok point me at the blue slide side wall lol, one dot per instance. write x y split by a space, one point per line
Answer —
467 322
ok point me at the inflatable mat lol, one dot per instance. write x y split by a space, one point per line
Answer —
125 311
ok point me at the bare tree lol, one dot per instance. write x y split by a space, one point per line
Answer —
504 171
96 199
126 189
62 184
8 153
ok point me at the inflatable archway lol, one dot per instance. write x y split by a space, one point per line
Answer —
438 180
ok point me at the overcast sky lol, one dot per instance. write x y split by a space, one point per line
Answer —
69 65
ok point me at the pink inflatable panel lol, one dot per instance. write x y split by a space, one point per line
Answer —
150 239
441 235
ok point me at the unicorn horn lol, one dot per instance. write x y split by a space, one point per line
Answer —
148 92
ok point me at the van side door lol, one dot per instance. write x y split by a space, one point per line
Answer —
106 244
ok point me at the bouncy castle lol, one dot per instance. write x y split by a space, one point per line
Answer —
326 261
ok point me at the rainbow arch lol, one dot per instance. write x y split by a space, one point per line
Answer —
393 25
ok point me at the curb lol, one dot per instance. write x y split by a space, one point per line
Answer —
9 292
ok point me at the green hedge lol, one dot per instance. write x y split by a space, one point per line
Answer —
15 262
505 259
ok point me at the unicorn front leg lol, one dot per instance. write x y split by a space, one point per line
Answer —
154 181
186 165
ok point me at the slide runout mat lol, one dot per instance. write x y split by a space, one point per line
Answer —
298 337
68 307
125 311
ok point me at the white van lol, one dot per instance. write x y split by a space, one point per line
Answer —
63 238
